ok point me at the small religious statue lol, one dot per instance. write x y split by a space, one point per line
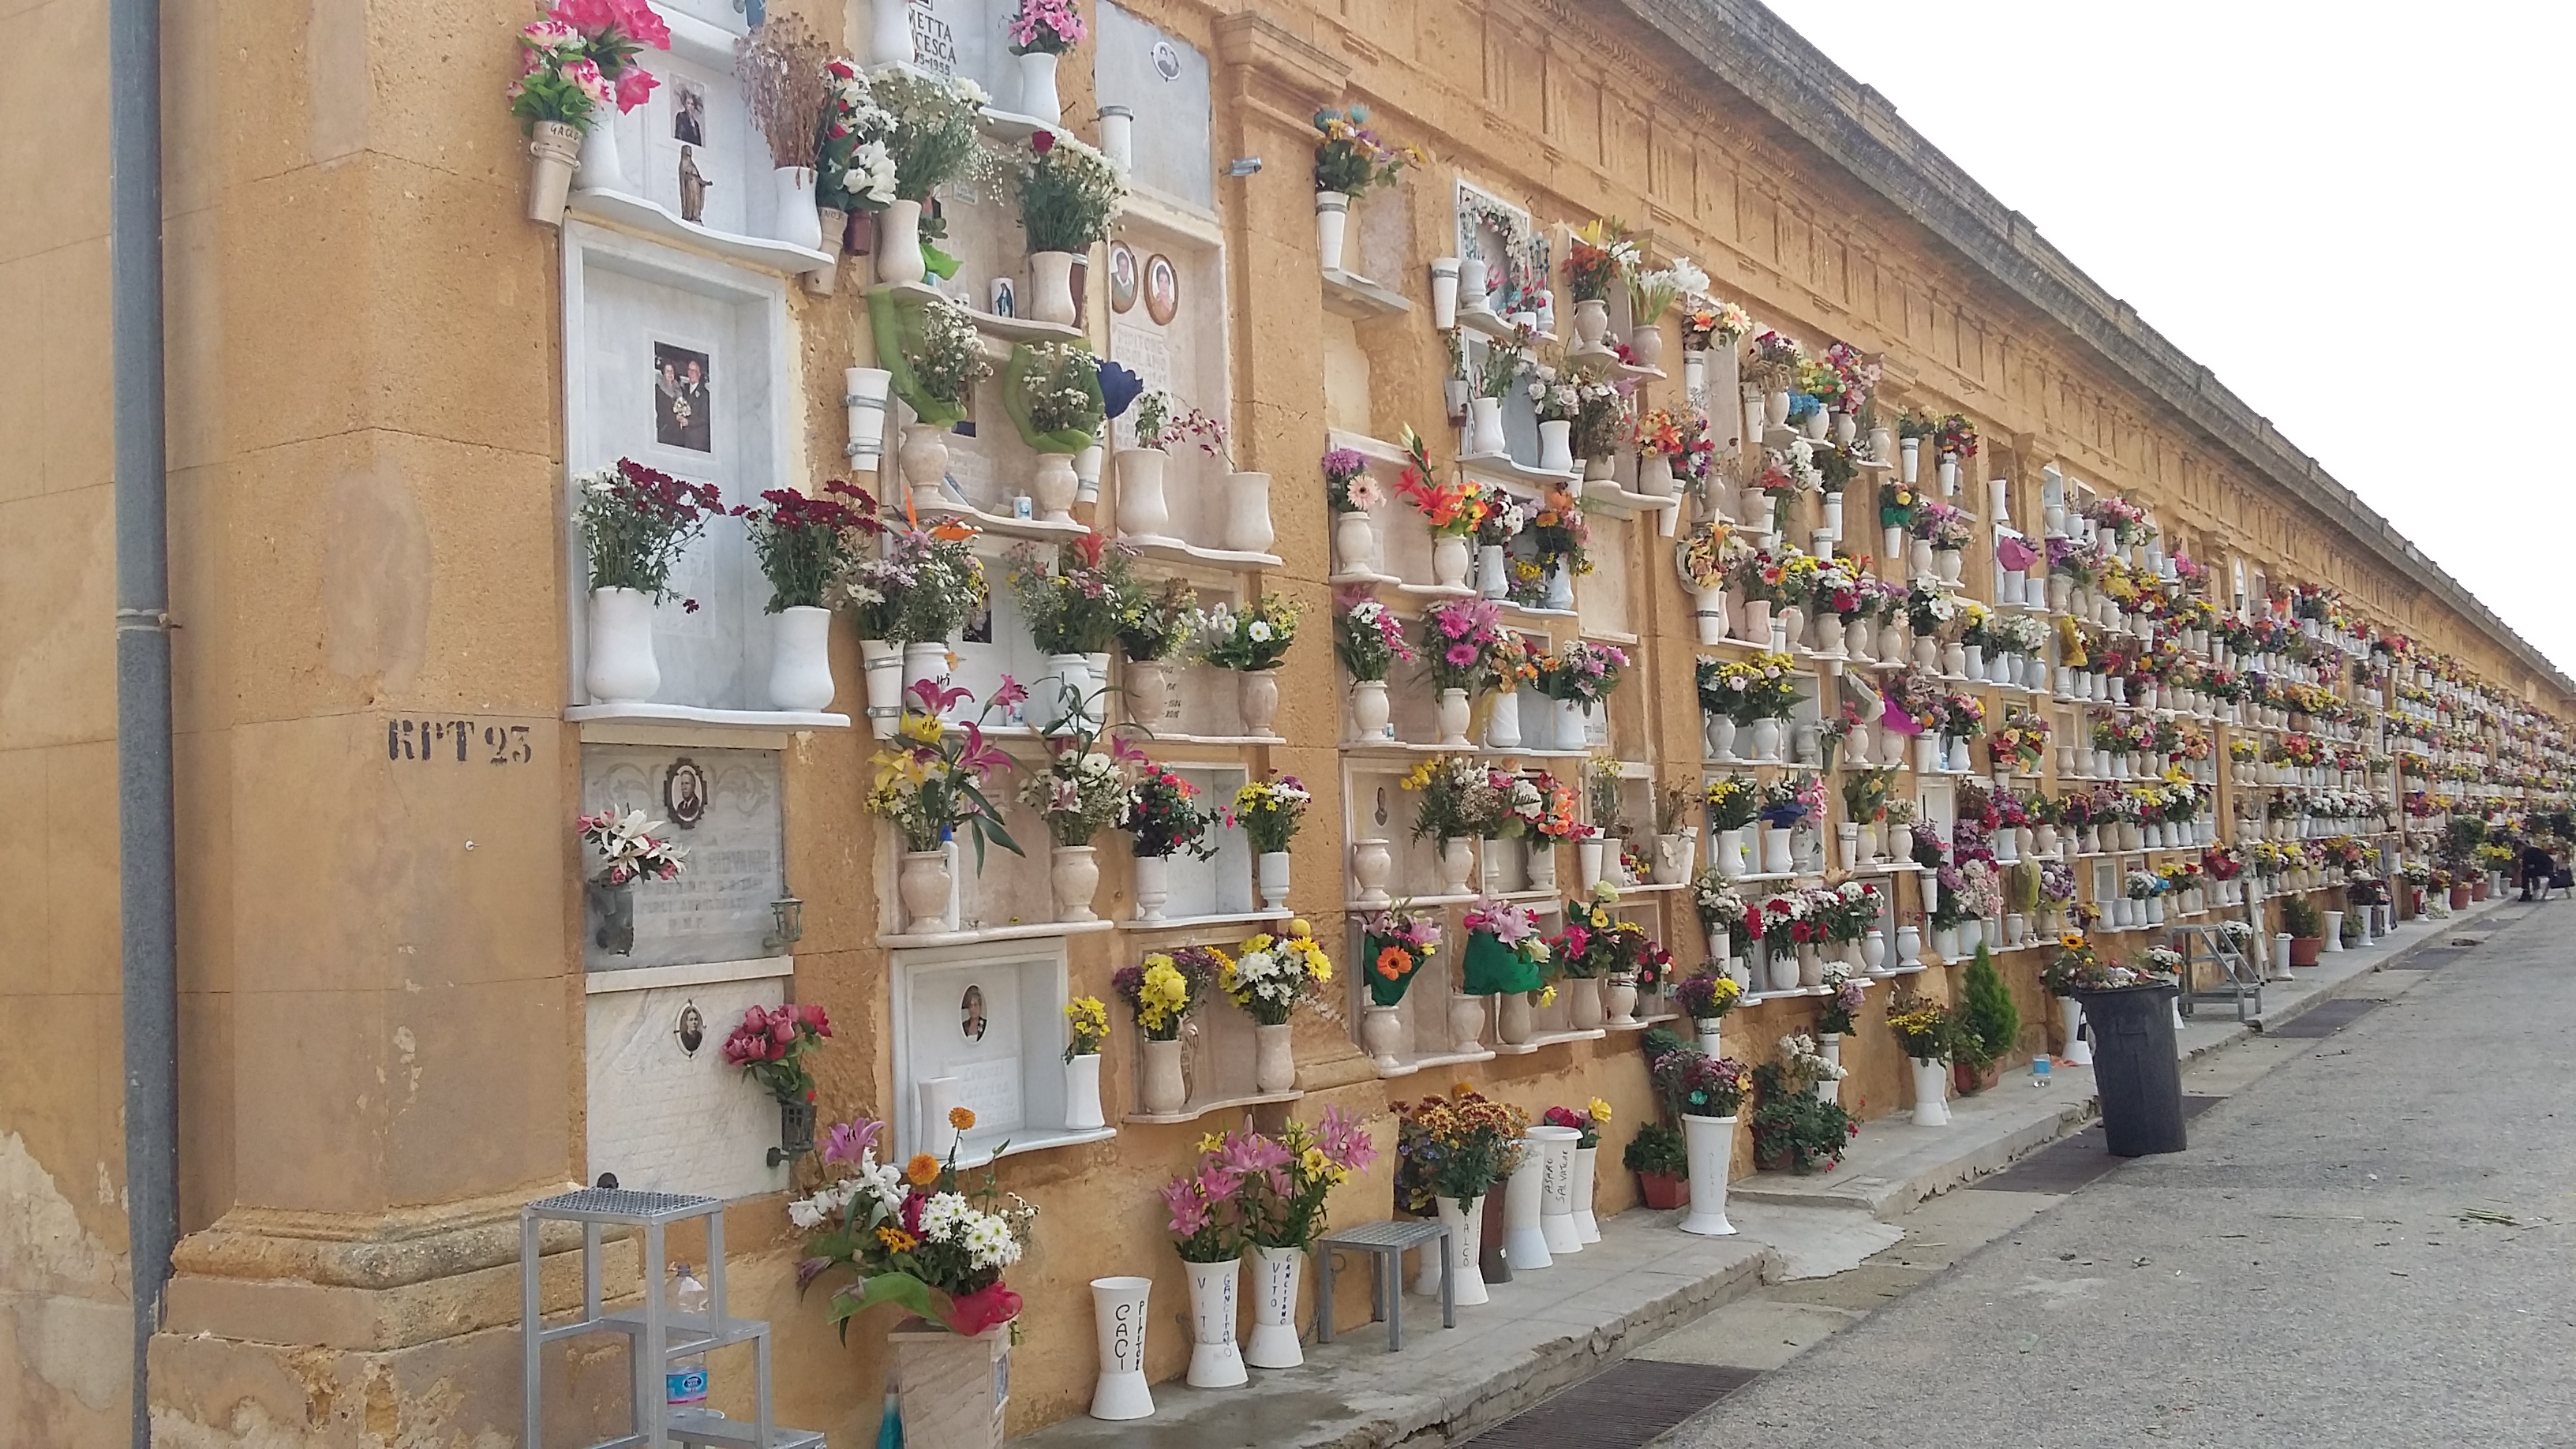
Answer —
693 185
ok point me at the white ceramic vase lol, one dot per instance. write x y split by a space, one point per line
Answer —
621 668
1711 1144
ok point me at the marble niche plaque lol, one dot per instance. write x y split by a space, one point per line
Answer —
723 807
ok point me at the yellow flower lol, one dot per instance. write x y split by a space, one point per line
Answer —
1212 1142
896 1240
1598 1110
921 727
1547 994
922 1170
1460 1088
962 1118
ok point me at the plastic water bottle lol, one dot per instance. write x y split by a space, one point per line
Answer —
685 1381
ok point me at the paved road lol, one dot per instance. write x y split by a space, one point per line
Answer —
2312 1272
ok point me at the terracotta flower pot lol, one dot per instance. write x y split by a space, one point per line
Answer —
1972 1080
1664 1190
2303 950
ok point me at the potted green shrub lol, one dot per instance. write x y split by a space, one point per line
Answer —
1989 1026
1662 1164
1794 1129
2307 928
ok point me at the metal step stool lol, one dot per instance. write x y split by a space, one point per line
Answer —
652 1424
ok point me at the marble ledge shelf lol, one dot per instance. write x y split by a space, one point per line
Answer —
1196 1110
1504 466
1357 297
1409 1063
1009 329
1001 524
1643 1022
635 213
1493 324
1040 1141
1173 550
1542 1039
649 713
1219 921
1028 931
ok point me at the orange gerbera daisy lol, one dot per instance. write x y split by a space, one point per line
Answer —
962 1118
1393 962
922 1170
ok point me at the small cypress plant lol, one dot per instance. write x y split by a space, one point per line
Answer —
1989 1023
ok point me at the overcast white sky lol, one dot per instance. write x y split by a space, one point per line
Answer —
2355 214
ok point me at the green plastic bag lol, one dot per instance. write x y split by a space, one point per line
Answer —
1493 968
896 321
1015 401
1384 991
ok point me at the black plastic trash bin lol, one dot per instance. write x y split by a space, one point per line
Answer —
2135 1070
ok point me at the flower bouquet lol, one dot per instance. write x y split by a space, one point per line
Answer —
1455 1148
1397 944
1582 671
930 782
1251 639
771 1044
1458 635
912 1237
1163 989
1269 975
1163 816
1504 949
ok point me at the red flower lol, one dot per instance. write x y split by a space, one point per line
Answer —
972 1313
1042 142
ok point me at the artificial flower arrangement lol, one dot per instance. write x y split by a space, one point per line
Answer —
1762 687
1455 1148
1158 624
1559 533
1848 911
1682 437
1351 158
1453 508
2022 739
1954 436
1458 635
582 57
1074 596
630 847
921 590
1589 944
1792 800
1088 1021
1707 323
1602 256
1733 803
1509 665
1046 27
1706 996
1503 517
933 138
931 782
1924 1028
912 1236
1855 376
1774 364
1720 907
771 1044
1944 527
1709 554
1582 671
1505 951
635 522
1163 817
1604 421
1780 577
1691 1083
1082 791
1251 639
1845 994
1652 291
1368 638
1348 488
931 346
1397 943
1271 810
1162 990
803 543
1051 393
853 170
1586 1120
1548 810
1269 975
1165 423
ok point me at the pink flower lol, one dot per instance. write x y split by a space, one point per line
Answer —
634 84
1460 655
1189 1210
585 76
847 1141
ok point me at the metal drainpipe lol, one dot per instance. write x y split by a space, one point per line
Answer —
146 847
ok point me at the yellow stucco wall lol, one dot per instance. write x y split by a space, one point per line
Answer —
381 1053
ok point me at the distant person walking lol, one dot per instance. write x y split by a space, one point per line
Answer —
2537 868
